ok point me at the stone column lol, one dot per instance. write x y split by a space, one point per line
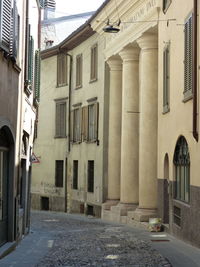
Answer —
148 127
130 126
114 139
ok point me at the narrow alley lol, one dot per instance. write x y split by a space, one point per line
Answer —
60 239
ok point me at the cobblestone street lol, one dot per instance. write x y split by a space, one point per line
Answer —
60 239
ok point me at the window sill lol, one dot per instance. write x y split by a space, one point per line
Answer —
166 109
59 137
61 85
76 142
181 203
93 80
78 87
188 95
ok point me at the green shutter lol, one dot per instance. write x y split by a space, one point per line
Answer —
30 60
5 24
37 75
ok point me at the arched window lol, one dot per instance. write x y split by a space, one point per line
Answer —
182 170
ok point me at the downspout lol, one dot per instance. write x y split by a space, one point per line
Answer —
195 52
39 27
26 40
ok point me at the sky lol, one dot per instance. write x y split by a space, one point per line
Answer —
69 7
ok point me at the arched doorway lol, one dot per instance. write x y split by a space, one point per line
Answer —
166 190
4 182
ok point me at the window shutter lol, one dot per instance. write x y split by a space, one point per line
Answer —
96 110
57 119
37 74
5 24
93 65
188 55
85 123
30 60
61 69
63 119
72 126
14 38
166 78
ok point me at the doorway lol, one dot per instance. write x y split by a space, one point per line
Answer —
166 190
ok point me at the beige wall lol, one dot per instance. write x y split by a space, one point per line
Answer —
89 151
48 148
178 121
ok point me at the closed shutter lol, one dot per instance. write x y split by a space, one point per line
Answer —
96 122
59 173
57 119
60 119
61 69
5 24
37 74
30 60
85 123
14 37
188 62
166 78
72 126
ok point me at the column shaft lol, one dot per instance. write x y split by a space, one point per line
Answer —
130 126
114 139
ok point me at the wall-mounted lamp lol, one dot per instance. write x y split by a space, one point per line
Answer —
110 28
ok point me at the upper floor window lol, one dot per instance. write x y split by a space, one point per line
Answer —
166 79
61 69
60 130
9 27
188 60
166 4
76 125
94 63
182 170
79 62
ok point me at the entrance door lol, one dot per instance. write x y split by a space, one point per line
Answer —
166 190
3 196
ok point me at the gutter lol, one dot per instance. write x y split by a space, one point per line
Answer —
195 52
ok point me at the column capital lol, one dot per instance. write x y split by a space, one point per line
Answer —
148 41
115 64
130 53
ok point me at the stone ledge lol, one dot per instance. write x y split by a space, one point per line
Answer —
7 248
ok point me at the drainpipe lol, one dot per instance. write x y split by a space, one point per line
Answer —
26 40
195 131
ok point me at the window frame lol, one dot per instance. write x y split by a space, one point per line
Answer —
62 68
76 125
59 180
75 175
94 63
188 58
60 132
182 170
79 71
90 176
93 122
166 78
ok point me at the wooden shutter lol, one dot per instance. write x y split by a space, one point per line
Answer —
79 71
5 24
166 77
85 123
57 120
94 63
14 32
61 69
30 60
72 126
59 173
188 62
96 125
37 74
60 119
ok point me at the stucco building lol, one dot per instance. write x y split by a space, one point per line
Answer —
18 78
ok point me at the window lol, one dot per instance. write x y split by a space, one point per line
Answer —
94 63
93 122
79 71
60 119
188 61
62 69
76 125
182 170
37 75
75 174
59 173
91 176
166 79
5 24
166 4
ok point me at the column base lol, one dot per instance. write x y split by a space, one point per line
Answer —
143 215
109 203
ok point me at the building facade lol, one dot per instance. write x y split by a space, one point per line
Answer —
70 146
17 115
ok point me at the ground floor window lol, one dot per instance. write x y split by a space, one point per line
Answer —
75 174
182 170
91 176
